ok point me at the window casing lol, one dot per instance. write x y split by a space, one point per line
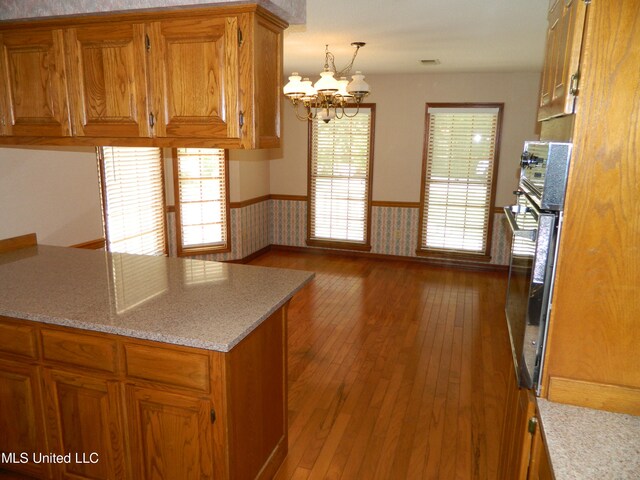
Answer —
202 200
339 183
460 166
133 204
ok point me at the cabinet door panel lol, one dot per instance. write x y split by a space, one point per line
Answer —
194 71
83 417
268 75
550 59
572 27
108 80
34 83
170 435
562 58
21 420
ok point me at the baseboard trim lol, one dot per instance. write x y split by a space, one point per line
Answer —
445 263
251 256
613 398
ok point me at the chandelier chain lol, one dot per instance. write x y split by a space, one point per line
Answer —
330 64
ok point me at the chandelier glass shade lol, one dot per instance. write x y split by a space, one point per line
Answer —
329 96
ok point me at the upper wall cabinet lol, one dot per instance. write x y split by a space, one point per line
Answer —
561 71
208 77
33 82
195 74
107 80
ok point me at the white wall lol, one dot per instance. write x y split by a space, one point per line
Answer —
54 191
50 191
399 135
249 173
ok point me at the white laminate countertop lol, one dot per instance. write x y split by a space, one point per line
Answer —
196 303
587 444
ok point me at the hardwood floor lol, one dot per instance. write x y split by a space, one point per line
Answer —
396 370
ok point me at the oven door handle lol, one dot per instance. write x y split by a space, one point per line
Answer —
517 231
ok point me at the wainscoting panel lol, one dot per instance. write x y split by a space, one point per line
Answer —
288 223
394 230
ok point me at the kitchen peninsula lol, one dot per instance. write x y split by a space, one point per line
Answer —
163 367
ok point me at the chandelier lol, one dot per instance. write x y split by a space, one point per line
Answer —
329 97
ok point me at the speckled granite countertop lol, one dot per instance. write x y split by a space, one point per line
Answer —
587 444
201 304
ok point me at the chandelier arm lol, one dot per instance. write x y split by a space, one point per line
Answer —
302 118
356 112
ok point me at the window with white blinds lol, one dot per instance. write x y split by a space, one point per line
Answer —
340 165
133 203
202 200
459 171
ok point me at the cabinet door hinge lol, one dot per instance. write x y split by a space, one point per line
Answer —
147 42
240 39
213 416
587 2
573 84
533 423
152 120
241 119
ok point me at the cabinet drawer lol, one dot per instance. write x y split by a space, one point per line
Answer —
80 350
168 366
18 340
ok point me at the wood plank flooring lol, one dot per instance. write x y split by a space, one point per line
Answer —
397 370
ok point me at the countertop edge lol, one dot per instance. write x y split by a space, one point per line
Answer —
153 336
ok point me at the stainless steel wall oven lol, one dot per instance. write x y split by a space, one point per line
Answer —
535 220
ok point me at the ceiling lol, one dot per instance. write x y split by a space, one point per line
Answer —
465 35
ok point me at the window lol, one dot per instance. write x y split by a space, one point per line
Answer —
202 200
132 187
459 166
339 191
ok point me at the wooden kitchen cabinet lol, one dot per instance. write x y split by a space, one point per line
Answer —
208 77
561 70
170 434
539 463
195 76
515 444
523 454
84 420
591 355
33 83
108 80
23 430
147 409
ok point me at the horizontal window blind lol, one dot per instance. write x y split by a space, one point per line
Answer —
202 198
133 199
340 168
459 170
